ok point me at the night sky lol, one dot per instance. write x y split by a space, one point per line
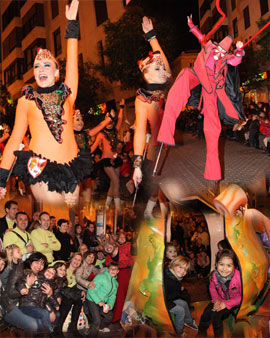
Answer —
177 12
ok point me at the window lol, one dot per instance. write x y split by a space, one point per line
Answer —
12 11
100 52
54 8
246 17
13 72
101 11
57 42
31 52
233 4
34 17
235 28
204 8
12 41
264 6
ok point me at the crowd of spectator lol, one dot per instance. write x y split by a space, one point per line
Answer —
253 132
47 269
190 238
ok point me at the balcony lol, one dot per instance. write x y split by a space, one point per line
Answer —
36 33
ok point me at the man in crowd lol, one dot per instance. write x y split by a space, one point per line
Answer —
7 222
19 236
67 245
44 240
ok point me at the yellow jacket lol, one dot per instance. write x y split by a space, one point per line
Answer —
11 238
39 237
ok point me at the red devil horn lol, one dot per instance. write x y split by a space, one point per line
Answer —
213 30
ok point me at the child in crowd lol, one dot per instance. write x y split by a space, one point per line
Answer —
192 261
3 264
170 253
175 295
60 279
225 290
101 299
100 262
223 244
14 257
37 293
122 238
202 263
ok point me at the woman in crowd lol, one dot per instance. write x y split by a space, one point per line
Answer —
89 236
11 297
86 269
71 295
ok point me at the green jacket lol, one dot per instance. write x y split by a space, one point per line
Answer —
105 290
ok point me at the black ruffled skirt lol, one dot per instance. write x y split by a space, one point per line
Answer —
59 177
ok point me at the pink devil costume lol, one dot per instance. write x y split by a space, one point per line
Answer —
214 82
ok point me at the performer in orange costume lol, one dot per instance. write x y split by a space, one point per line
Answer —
52 167
149 105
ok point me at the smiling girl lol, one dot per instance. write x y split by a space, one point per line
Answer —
52 167
225 290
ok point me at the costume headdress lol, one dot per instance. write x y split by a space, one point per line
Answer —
45 54
77 113
153 58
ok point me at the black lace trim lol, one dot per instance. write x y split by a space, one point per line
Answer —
46 90
112 137
53 117
155 86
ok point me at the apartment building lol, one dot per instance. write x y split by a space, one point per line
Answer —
241 23
28 24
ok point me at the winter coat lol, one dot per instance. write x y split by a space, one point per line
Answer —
105 290
234 292
83 273
67 246
123 258
35 296
11 296
172 288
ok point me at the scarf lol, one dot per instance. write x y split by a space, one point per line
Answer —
223 283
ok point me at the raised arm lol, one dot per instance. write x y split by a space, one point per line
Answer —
150 36
96 143
120 115
94 131
72 35
194 29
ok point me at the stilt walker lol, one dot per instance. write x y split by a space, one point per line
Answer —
215 75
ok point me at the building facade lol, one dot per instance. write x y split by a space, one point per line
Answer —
241 23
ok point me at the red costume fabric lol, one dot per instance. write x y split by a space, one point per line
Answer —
125 262
210 74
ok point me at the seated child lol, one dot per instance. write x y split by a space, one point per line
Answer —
225 290
100 262
101 299
175 295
